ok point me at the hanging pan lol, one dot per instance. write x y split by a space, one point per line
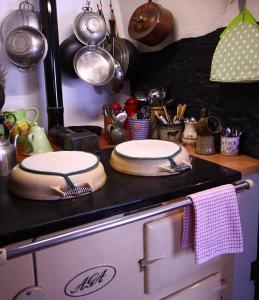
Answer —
67 51
123 51
94 65
89 27
150 23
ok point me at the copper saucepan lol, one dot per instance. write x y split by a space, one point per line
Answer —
150 23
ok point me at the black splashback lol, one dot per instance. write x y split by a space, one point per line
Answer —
183 69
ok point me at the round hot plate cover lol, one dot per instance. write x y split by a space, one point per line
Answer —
61 162
147 149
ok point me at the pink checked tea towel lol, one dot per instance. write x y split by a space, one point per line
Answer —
212 225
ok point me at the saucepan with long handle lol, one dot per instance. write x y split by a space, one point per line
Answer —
94 65
67 51
123 51
150 23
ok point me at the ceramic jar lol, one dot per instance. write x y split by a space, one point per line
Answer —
139 128
171 132
189 135
116 133
159 110
37 141
229 145
19 121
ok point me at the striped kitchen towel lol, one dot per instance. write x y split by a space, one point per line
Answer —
212 225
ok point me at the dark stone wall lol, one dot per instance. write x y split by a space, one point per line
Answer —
183 69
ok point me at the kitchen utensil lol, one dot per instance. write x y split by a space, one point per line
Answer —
7 150
117 84
89 27
67 51
149 158
25 47
37 141
150 23
180 111
154 97
128 56
24 16
226 131
116 81
166 114
57 175
156 112
121 117
94 65
119 75
123 51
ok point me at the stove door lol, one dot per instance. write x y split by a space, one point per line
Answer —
166 264
16 275
208 288
98 267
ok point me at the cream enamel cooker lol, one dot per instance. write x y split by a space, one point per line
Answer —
150 158
57 175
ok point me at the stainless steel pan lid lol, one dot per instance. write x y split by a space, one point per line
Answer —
147 149
63 162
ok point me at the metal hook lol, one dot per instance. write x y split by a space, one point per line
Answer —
111 10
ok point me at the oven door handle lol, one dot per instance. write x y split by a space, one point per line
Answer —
146 262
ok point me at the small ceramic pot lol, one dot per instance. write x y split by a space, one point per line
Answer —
19 121
139 128
116 133
229 145
171 132
189 135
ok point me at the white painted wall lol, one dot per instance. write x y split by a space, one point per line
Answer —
82 102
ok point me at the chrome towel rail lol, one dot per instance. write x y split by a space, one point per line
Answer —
6 254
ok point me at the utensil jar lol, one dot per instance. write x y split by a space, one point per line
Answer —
229 145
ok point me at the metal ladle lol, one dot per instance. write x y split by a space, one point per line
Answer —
154 96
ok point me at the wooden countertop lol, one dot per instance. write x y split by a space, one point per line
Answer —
245 164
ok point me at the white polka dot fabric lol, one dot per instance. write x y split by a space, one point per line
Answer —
236 58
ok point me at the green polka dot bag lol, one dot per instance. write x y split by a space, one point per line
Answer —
236 58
